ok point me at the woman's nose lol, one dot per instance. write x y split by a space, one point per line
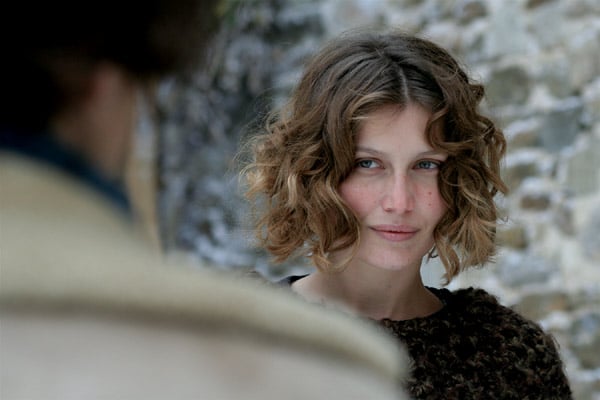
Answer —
398 195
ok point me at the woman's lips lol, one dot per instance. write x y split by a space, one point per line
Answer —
394 233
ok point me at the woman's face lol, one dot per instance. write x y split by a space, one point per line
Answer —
393 189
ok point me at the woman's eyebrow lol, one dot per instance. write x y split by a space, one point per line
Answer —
432 153
369 150
425 153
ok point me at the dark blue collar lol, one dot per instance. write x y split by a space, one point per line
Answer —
45 148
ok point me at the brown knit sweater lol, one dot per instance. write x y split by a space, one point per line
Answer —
475 348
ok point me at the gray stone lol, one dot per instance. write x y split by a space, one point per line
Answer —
537 305
536 3
591 100
523 133
582 8
545 18
535 201
408 18
513 236
508 86
514 175
563 218
561 124
445 34
507 34
590 236
583 167
518 269
409 3
585 389
468 10
507 115
555 75
340 15
436 11
587 298
585 342
520 166
583 49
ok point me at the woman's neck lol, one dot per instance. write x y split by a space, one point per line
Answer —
372 293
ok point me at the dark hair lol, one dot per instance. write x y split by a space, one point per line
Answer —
49 48
309 145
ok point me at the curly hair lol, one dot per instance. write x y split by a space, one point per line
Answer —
308 149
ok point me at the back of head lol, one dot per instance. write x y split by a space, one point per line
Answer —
49 47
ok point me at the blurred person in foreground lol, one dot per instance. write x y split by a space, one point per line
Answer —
380 160
87 308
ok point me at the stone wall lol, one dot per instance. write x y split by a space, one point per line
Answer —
540 62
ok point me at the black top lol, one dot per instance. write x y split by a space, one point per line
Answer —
475 348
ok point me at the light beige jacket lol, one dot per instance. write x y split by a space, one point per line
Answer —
87 311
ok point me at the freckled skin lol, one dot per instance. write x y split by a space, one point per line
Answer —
394 183
393 191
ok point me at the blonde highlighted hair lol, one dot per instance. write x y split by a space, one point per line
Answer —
308 149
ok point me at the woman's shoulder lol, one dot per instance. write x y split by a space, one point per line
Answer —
512 349
504 329
478 303
475 307
471 297
478 315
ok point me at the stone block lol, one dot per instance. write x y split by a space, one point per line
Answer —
469 10
584 48
523 164
513 236
506 20
591 101
583 167
585 342
508 85
590 236
536 306
522 133
561 124
519 269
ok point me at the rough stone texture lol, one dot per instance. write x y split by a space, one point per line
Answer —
540 62
508 86
523 133
590 236
583 167
586 339
591 101
537 305
514 236
467 11
535 201
523 269
520 165
561 124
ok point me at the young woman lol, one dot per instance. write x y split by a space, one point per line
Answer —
379 160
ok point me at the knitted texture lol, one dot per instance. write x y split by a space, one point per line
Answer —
475 348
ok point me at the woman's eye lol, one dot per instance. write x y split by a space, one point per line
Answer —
367 164
427 164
